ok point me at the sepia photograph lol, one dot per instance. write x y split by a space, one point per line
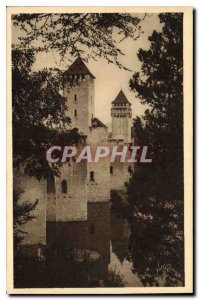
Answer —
99 119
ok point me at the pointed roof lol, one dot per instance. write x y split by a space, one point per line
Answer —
97 123
78 67
121 98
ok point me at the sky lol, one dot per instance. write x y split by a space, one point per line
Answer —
109 78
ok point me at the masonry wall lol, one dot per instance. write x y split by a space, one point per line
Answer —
99 187
98 136
120 175
33 189
80 102
121 129
60 208
70 205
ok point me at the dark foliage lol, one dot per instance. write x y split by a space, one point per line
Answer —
39 115
39 110
156 192
22 213
38 122
89 35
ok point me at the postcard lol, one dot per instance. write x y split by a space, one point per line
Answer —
99 150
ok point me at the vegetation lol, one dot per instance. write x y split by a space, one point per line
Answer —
114 279
155 193
39 109
89 35
22 213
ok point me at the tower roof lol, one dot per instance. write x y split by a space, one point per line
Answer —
78 67
121 98
97 123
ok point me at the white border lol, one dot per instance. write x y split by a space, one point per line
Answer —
58 2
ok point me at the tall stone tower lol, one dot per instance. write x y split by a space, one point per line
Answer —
121 114
80 97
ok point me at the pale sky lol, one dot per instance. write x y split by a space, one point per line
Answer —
109 78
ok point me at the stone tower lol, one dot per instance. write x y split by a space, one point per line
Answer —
121 114
80 97
66 202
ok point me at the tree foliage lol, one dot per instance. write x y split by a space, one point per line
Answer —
155 193
39 109
89 35
113 278
39 115
22 213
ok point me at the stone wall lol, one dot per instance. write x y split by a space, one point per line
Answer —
99 187
98 136
72 204
61 208
120 175
80 102
121 129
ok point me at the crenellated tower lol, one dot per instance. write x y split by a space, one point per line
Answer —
121 114
80 96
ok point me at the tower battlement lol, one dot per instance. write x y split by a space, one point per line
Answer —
80 96
66 198
121 114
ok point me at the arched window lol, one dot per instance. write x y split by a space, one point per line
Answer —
75 97
92 229
51 184
111 169
92 176
75 113
64 186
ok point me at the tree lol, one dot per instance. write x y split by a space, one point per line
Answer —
39 109
89 35
155 194
22 213
39 117
113 278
